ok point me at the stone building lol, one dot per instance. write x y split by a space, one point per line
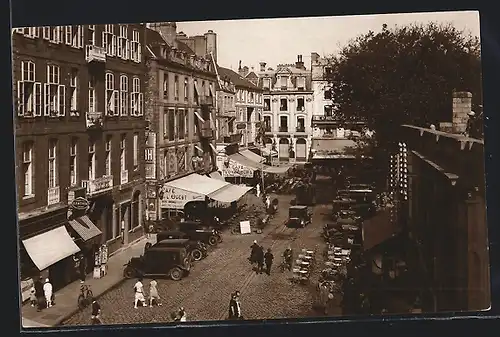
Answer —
181 91
79 93
288 108
445 210
226 111
248 105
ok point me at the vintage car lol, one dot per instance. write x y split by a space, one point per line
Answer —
363 194
197 249
347 214
197 231
298 216
173 262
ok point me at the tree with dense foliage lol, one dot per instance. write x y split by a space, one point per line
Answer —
405 75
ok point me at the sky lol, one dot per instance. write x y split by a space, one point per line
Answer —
278 41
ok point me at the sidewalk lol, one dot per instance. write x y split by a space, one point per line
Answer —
66 298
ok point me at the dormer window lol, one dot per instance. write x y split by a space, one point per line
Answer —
284 82
266 83
301 83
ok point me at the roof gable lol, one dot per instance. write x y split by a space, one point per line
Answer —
236 78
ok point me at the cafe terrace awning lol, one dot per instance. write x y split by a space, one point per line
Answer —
196 183
266 152
50 247
230 193
216 175
258 166
378 229
252 156
84 227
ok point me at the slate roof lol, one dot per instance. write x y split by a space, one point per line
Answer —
236 79
154 38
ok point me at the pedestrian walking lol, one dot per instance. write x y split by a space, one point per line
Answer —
288 257
153 293
260 259
254 251
268 259
139 293
151 229
95 316
268 203
33 300
47 291
257 189
82 268
180 316
234 307
40 298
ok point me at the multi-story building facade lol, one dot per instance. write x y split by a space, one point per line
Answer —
226 110
248 105
322 97
288 108
79 135
181 90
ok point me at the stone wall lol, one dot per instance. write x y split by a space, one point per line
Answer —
462 105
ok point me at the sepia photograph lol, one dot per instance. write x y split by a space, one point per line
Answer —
256 169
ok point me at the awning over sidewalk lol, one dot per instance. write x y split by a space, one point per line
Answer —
258 166
197 183
84 227
252 156
230 193
266 152
216 175
276 169
378 229
50 247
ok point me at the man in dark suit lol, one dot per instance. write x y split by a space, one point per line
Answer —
268 258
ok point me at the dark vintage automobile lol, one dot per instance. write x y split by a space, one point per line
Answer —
298 216
197 249
173 262
342 231
197 231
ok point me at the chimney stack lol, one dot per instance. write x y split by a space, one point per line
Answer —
299 64
262 66
462 106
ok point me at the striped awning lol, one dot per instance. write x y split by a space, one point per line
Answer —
85 228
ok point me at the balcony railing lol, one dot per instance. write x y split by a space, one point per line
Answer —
98 185
53 195
301 108
94 120
300 129
206 100
267 129
95 54
283 129
227 113
123 177
206 130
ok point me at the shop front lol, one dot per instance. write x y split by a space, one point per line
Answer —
51 255
88 239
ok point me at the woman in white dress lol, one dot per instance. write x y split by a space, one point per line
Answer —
139 294
47 291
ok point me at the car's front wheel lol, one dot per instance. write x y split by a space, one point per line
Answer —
212 241
176 274
129 272
196 254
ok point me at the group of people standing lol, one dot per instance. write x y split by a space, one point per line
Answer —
42 294
154 299
262 260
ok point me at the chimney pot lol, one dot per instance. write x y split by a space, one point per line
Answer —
262 66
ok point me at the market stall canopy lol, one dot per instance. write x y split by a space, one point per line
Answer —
50 247
85 228
197 183
229 193
252 156
216 175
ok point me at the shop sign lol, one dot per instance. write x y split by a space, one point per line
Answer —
101 184
150 156
79 204
241 126
176 198
232 169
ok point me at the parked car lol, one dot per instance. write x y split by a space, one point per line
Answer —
197 231
173 262
298 216
197 249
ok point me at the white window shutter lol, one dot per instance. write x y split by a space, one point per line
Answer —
139 53
116 102
36 32
140 105
80 36
113 45
46 99
127 54
62 100
20 98
119 49
37 109
132 100
104 42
